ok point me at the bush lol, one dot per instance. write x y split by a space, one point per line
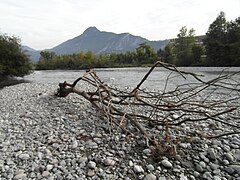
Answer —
13 61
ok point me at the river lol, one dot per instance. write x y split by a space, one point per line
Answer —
130 76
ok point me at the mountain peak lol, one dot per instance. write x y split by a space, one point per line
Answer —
91 30
98 41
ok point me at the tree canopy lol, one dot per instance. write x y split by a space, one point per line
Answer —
223 42
144 55
184 50
13 61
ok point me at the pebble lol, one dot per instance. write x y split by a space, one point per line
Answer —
83 159
91 173
196 174
147 151
130 163
150 177
176 170
183 177
74 144
229 157
138 169
196 140
203 164
216 178
24 156
199 168
225 162
212 154
162 178
20 176
213 166
207 175
166 163
150 167
45 173
91 164
49 167
184 145
109 162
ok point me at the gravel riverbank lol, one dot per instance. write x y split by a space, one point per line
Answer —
45 137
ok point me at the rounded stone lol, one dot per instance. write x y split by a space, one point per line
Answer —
225 162
45 173
91 173
212 154
138 169
150 177
20 176
109 162
229 157
91 164
196 174
166 163
216 178
203 164
147 151
49 167
150 167
24 156
199 168
130 163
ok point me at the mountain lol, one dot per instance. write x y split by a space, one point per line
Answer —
103 42
99 42
33 54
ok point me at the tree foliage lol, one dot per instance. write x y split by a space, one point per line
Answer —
143 55
13 61
184 50
223 42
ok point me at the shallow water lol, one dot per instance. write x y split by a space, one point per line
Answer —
126 77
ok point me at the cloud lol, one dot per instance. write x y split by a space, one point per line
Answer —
46 23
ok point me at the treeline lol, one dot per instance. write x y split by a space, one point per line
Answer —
219 47
222 42
144 54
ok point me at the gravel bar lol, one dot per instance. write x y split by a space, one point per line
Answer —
46 137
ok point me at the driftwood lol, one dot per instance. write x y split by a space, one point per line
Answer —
194 102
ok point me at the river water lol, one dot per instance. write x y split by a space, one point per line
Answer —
130 77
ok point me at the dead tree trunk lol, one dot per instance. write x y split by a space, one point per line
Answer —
194 102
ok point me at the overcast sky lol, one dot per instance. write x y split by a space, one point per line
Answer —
43 24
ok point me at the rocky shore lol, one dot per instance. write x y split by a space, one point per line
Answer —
46 137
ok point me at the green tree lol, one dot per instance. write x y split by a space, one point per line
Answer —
46 55
13 61
184 44
198 51
169 53
184 50
145 54
215 41
233 42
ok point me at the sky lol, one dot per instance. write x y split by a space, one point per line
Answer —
43 24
